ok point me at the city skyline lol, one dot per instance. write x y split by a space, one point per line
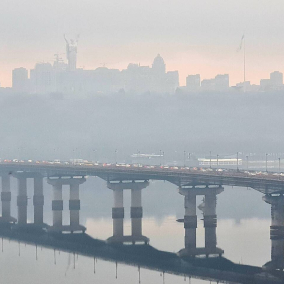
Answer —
192 39
64 76
182 80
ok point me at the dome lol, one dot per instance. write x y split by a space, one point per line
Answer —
159 64
158 60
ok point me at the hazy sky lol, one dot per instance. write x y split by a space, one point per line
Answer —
193 36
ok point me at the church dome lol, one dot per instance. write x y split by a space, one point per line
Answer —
159 64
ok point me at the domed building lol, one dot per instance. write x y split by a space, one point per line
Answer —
159 66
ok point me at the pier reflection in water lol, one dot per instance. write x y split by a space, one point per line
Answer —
62 258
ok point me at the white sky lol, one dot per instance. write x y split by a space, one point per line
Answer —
196 36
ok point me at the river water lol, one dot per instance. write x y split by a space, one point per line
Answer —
243 232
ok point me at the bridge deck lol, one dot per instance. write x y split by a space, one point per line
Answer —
265 182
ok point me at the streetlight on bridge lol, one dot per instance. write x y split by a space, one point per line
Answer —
115 156
279 163
217 160
237 161
210 160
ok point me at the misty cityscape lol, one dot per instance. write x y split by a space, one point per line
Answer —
63 77
141 142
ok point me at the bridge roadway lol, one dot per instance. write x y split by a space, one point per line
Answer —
266 183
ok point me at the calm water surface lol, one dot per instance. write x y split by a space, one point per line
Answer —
242 232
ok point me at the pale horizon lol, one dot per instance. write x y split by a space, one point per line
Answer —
196 37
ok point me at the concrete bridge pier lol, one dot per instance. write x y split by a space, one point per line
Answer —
190 222
136 212
38 200
277 214
74 205
6 200
57 203
277 255
22 199
210 222
118 213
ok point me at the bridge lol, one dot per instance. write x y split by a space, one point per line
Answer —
267 183
191 182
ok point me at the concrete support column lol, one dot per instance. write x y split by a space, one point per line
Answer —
118 213
22 200
190 221
74 204
6 197
38 200
277 214
210 221
136 212
277 254
57 204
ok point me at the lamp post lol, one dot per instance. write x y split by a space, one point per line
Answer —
217 160
160 157
163 158
247 157
184 153
210 160
115 156
266 161
279 163
237 161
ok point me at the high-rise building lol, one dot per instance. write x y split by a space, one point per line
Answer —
20 80
222 82
193 82
276 79
208 85
43 78
159 66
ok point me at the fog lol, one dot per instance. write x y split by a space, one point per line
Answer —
193 36
56 127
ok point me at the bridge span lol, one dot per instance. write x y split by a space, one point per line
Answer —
267 183
191 182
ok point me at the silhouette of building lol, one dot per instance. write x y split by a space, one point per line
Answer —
222 82
67 78
208 85
43 78
20 80
276 79
219 83
193 82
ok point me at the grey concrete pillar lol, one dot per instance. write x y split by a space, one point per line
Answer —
136 212
57 204
38 200
277 252
22 200
277 255
210 221
74 204
190 220
6 197
277 211
118 213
